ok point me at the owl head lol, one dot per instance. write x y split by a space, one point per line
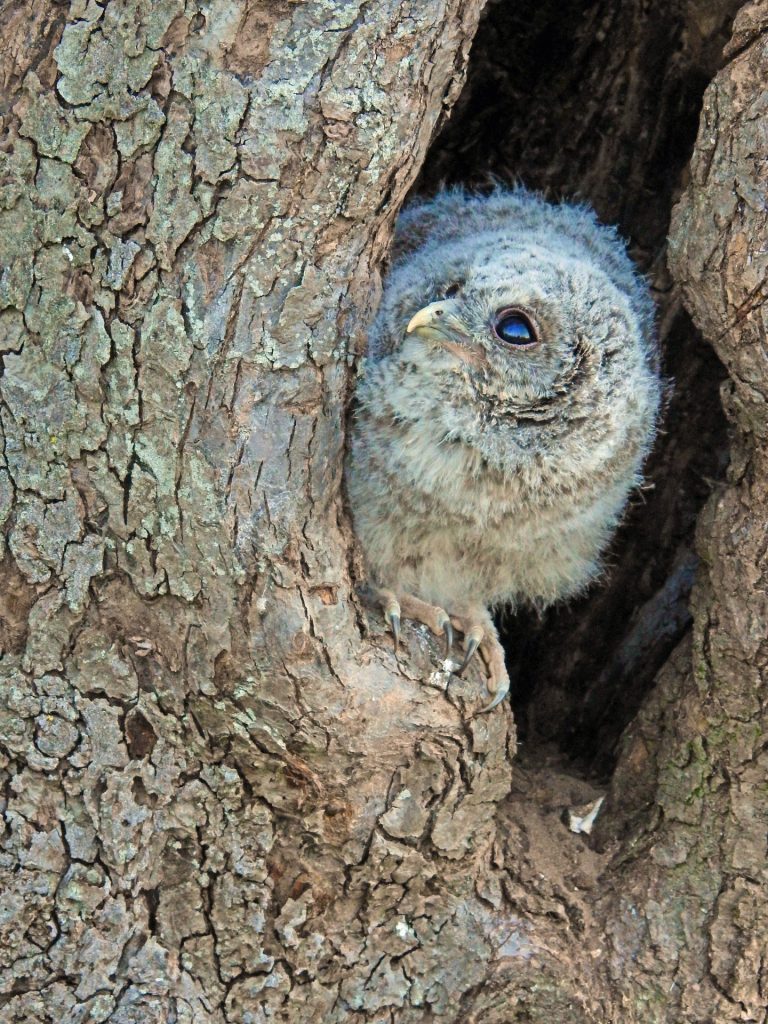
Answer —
518 313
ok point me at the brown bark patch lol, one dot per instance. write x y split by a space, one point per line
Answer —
140 737
249 49
16 599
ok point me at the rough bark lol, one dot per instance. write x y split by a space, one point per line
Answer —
224 799
198 743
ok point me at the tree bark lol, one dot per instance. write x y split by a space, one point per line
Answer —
224 798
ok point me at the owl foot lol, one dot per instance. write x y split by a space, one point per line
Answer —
477 627
436 619
492 654
480 635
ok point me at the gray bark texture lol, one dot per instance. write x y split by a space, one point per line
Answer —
224 799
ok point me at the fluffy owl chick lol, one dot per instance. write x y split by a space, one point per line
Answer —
503 412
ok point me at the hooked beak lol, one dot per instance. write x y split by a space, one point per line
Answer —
439 321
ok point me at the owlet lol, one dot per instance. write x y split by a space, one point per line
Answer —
503 412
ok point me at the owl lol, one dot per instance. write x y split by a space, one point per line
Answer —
503 412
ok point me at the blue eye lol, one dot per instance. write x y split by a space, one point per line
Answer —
515 328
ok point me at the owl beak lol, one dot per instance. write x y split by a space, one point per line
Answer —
439 321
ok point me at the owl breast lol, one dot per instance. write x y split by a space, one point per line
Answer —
451 529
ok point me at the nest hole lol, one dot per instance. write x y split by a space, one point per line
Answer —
600 102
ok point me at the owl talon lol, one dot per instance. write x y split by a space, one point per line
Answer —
448 631
492 654
391 608
393 619
473 637
472 645
499 696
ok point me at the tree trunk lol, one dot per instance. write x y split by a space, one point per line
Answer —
224 798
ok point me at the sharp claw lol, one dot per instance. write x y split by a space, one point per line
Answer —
498 698
448 630
394 621
392 615
472 645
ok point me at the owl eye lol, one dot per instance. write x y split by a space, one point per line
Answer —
515 328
